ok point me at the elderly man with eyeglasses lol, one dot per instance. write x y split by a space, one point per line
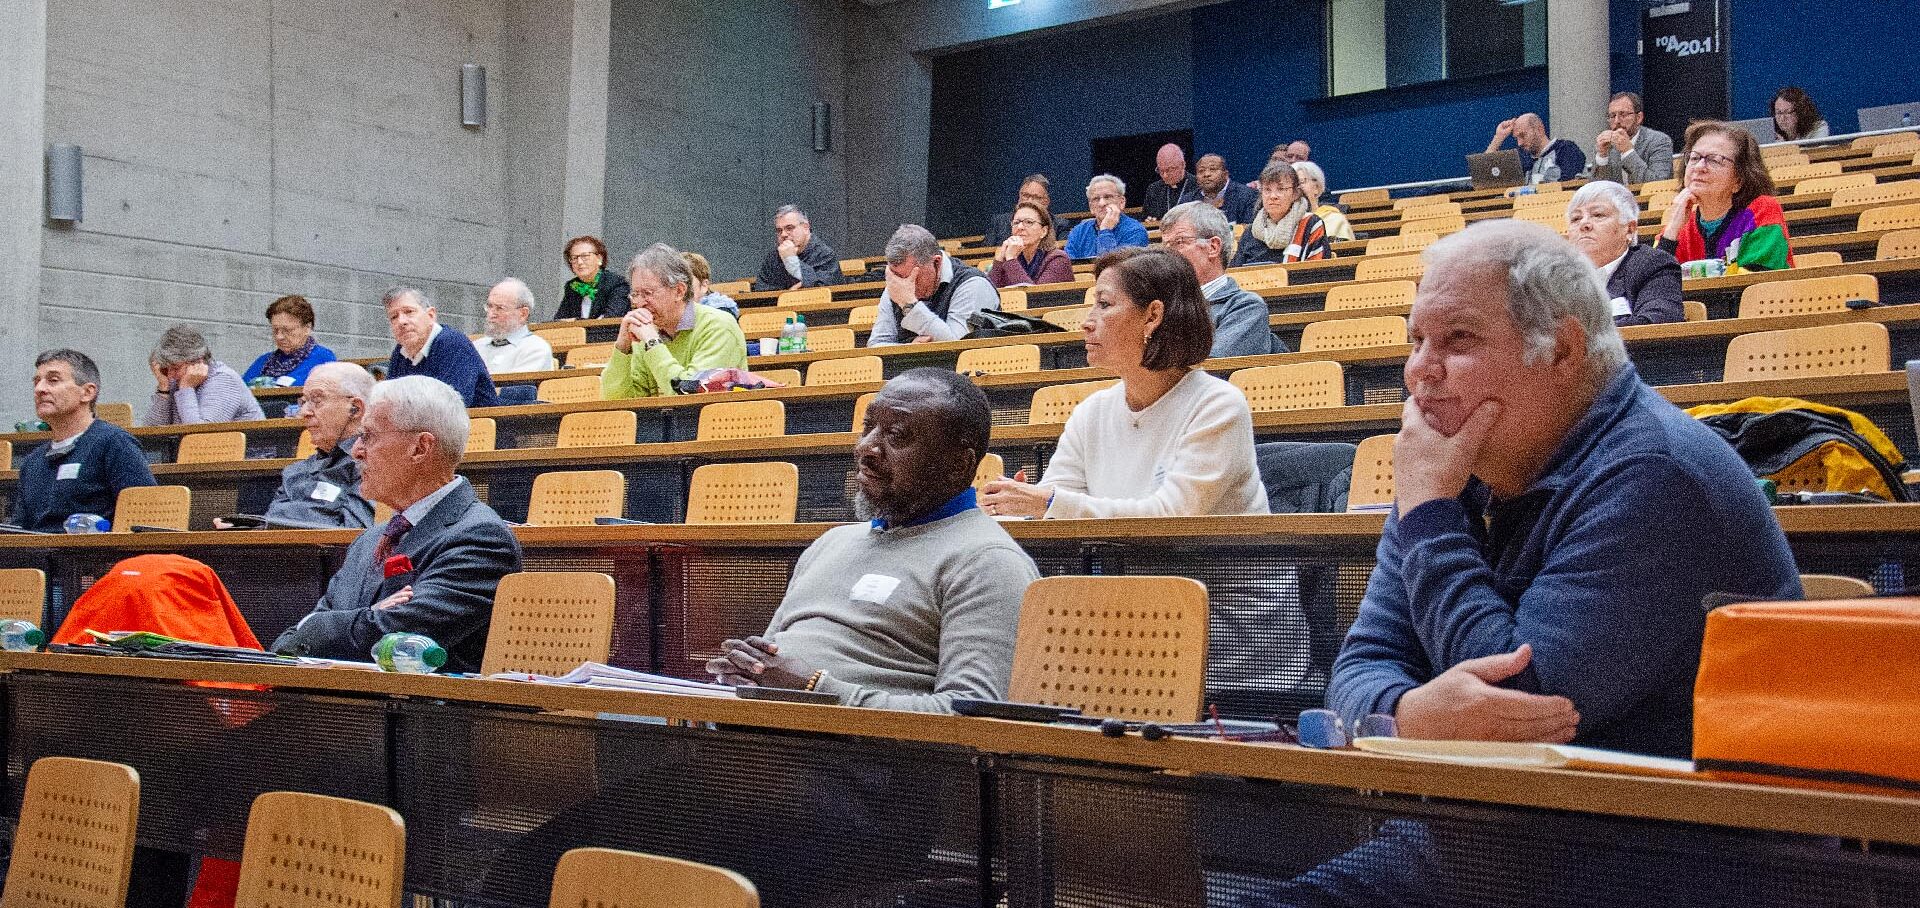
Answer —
323 489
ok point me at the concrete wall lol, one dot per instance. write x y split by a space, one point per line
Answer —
237 151
22 162
710 127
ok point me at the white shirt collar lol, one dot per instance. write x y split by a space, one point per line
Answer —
1211 287
418 511
431 337
1607 270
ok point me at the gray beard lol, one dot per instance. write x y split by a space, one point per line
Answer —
496 333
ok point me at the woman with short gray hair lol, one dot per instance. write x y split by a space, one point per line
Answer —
1313 183
1642 280
190 386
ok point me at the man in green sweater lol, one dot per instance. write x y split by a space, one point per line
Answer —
920 605
666 338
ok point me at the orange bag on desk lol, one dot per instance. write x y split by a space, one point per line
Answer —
166 594
1820 694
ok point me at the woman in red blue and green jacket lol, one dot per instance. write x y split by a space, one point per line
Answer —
1726 209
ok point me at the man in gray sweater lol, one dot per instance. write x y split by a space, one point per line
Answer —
920 605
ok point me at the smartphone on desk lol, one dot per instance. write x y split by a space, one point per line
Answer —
1018 712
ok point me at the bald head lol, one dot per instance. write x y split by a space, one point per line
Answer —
1530 132
1171 162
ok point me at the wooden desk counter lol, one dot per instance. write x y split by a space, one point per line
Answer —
1849 816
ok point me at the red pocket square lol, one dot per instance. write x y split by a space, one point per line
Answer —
397 565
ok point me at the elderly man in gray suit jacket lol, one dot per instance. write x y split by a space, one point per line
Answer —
434 567
1630 151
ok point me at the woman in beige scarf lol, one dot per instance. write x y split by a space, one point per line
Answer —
1283 230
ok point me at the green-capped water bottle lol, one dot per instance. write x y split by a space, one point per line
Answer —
412 654
19 636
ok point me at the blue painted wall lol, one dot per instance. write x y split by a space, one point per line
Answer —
1847 54
1254 76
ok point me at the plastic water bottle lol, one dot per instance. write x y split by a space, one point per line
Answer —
1906 119
800 334
18 636
80 524
789 336
413 654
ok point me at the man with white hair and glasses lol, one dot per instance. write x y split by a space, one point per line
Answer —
1556 521
507 344
1643 281
432 569
1110 227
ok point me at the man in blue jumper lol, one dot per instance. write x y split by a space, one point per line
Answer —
422 346
1556 522
1110 227
89 460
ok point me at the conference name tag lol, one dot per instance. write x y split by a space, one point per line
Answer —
325 491
1621 306
68 471
875 588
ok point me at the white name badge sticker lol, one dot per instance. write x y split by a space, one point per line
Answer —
68 471
1621 306
875 588
325 491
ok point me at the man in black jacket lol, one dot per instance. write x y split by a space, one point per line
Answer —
799 260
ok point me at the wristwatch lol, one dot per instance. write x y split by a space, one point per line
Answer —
649 345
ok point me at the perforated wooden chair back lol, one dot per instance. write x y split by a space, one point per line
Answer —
589 355
758 323
1890 217
788 378
153 506
1353 333
1834 586
1364 196
1401 244
1054 403
1879 140
1671 184
304 448
1068 319
1013 301
1259 279
572 498
1372 482
1554 219
1539 200
1660 201
1439 226
804 297
731 288
606 878
1894 145
1818 260
1786 173
597 429
1427 207
1014 359
314 851
23 595
1899 244
1777 156
119 414
1832 183
1089 297
991 467
73 846
1295 386
1693 311
766 492
548 622
1128 647
863 316
1390 268
852 370
742 419
6 455
563 336
1853 348
1807 295
212 447
860 405
571 390
1879 193
482 434
1368 296
828 340
853 267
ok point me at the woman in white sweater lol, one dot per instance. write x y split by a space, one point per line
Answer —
1169 440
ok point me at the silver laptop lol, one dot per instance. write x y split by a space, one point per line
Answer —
1496 169
1887 116
1761 127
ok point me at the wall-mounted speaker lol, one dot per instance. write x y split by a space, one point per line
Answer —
63 182
822 126
473 94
